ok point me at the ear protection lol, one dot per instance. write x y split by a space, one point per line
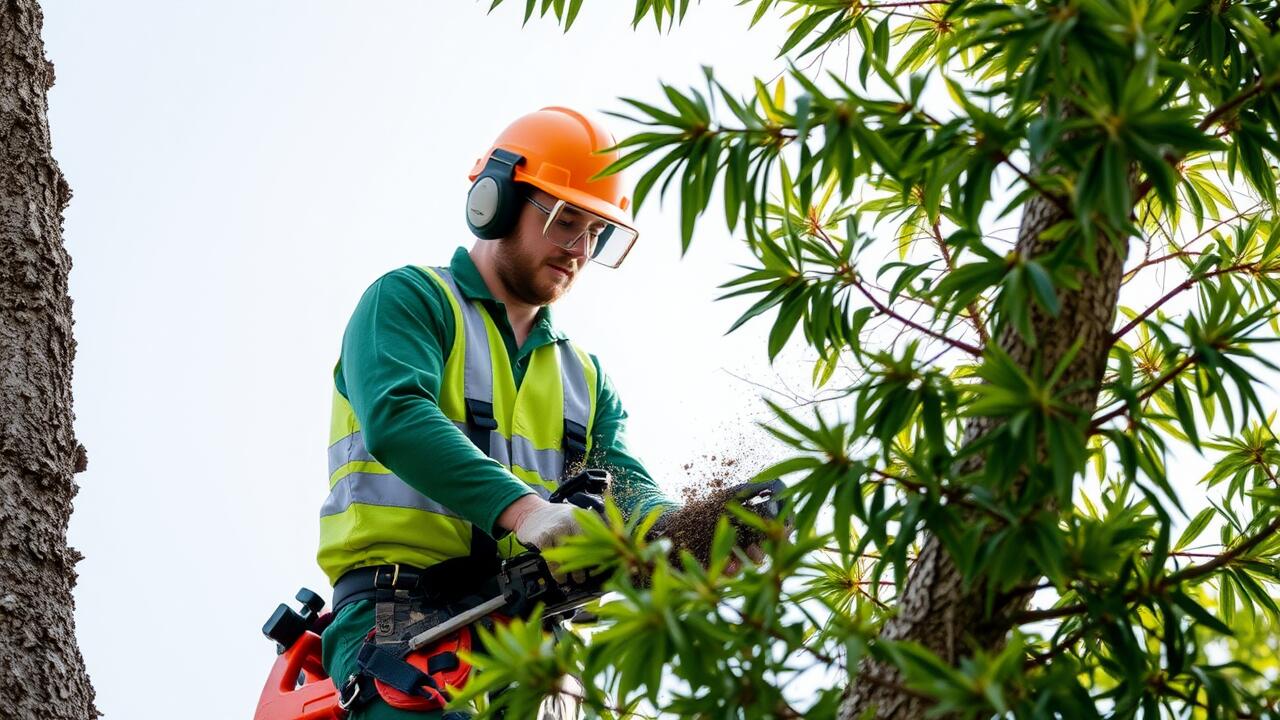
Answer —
493 203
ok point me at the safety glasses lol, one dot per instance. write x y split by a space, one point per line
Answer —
606 241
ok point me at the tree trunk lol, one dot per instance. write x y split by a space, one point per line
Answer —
42 674
935 610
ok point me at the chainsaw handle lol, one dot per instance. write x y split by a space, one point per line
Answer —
591 481
761 498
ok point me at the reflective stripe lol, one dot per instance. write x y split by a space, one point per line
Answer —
577 396
347 450
477 383
547 463
497 445
378 489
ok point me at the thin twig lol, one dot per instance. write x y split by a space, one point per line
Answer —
958 344
1220 223
974 316
1156 261
1065 644
1262 85
1054 198
1193 572
852 278
1180 288
904 3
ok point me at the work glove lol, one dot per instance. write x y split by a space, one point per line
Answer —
544 525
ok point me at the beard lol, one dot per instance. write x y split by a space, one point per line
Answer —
524 274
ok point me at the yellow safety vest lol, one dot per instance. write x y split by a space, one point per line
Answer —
372 517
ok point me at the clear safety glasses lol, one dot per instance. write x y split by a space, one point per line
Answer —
606 241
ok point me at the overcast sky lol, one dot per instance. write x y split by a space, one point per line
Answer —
241 172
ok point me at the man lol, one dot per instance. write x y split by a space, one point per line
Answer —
458 405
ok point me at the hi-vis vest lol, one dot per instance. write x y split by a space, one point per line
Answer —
538 432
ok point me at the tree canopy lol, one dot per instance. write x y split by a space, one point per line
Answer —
1042 237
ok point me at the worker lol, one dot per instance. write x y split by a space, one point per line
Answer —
459 405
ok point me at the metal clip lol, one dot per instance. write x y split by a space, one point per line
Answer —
345 702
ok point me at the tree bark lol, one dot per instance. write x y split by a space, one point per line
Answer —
935 609
42 674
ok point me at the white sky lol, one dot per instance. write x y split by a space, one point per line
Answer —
242 171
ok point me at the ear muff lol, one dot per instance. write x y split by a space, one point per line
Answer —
493 203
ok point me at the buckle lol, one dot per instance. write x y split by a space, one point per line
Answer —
480 414
380 581
352 685
575 436
398 577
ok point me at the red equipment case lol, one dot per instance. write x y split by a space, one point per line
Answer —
298 688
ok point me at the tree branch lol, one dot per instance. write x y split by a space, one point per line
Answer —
1193 572
1148 392
856 282
852 278
1180 288
1262 85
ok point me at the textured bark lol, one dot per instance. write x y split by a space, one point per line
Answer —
42 674
935 610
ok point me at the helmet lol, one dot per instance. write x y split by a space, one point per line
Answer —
556 150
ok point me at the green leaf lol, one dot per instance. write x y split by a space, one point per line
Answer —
1182 405
572 13
1045 293
1197 526
788 316
1198 613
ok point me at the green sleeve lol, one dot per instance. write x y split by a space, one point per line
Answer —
392 362
634 490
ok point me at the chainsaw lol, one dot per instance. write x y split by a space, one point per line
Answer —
298 687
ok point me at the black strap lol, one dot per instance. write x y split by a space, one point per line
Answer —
480 423
484 553
480 417
392 670
575 449
359 584
444 662
443 583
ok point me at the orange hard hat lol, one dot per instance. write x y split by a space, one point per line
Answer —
562 151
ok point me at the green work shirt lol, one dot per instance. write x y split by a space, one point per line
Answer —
393 356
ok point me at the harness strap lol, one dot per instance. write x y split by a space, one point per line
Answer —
480 423
391 669
444 662
575 449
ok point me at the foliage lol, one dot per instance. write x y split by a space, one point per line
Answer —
1123 588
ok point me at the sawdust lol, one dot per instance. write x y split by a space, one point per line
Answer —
710 475
692 527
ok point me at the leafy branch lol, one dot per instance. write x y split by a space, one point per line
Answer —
1161 586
